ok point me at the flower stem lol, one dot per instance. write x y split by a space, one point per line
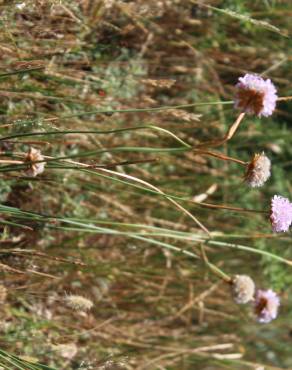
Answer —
218 272
10 161
229 135
236 209
284 98
220 156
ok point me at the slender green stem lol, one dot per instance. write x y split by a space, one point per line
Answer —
249 249
141 110
21 71
97 132
140 187
85 227
129 110
213 268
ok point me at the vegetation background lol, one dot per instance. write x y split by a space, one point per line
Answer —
83 76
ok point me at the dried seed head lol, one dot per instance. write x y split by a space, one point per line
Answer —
34 169
243 289
255 95
258 170
3 293
162 83
78 303
182 115
266 306
281 214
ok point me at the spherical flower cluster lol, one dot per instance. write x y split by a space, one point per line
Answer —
281 214
258 170
243 289
255 95
258 96
266 305
264 302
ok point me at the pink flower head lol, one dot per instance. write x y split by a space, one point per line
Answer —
266 305
255 95
281 213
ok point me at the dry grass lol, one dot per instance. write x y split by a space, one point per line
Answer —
153 308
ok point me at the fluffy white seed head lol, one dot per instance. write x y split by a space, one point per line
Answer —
243 289
258 170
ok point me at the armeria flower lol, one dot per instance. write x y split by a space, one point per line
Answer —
255 95
281 213
266 306
34 169
243 289
258 170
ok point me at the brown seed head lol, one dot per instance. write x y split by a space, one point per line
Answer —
3 293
